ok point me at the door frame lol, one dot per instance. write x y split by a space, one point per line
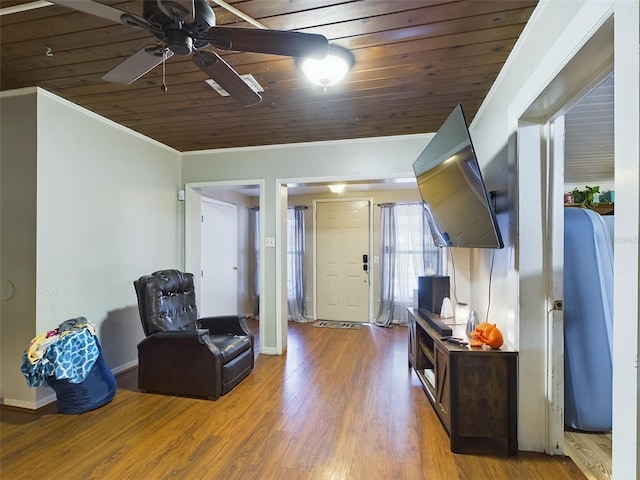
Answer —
539 161
192 230
314 286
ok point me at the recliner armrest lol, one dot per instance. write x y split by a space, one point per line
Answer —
220 325
228 324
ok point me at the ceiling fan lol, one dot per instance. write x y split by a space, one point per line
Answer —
186 27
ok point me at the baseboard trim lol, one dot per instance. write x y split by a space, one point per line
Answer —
125 367
269 350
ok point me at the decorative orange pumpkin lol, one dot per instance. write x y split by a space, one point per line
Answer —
487 334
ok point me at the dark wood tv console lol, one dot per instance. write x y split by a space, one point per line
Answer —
473 390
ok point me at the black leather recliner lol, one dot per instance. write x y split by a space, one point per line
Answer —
182 354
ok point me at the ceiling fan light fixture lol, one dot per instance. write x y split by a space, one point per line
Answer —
338 188
331 69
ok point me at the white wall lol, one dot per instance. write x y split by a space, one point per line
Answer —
556 33
18 160
106 213
626 377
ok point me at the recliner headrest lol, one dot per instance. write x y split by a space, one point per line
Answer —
166 301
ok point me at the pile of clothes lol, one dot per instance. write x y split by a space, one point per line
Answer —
67 352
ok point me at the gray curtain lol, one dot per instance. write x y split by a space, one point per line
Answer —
256 250
387 264
296 268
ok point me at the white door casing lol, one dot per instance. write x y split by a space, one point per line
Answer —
342 239
554 271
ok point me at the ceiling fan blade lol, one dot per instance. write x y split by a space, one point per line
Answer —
276 42
183 9
137 65
104 11
225 76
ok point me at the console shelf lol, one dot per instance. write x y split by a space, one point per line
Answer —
473 390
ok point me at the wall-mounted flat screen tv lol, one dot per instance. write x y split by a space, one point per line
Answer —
458 205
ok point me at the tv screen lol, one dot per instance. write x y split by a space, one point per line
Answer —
450 182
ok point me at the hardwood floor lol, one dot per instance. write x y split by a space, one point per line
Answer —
591 452
340 404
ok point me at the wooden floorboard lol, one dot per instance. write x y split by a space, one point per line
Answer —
591 452
340 404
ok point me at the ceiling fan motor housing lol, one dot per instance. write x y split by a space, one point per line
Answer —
181 38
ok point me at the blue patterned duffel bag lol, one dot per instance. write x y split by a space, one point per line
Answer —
97 389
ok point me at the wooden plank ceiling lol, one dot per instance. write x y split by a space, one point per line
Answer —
589 142
415 60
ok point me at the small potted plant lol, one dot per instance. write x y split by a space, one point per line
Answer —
587 197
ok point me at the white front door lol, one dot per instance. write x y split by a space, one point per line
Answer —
342 276
219 257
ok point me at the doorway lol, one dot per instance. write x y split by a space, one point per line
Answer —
539 196
247 198
219 259
589 160
342 252
541 147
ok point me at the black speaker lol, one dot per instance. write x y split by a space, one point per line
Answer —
431 292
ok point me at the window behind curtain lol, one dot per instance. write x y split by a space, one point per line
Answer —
416 254
293 251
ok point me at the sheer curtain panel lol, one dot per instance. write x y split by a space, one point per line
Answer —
256 255
387 264
407 252
296 268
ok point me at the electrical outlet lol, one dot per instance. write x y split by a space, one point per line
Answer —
270 242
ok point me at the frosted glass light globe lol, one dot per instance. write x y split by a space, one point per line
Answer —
331 69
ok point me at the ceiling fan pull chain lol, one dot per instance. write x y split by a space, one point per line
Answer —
164 61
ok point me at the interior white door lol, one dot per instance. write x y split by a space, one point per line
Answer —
342 276
219 258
